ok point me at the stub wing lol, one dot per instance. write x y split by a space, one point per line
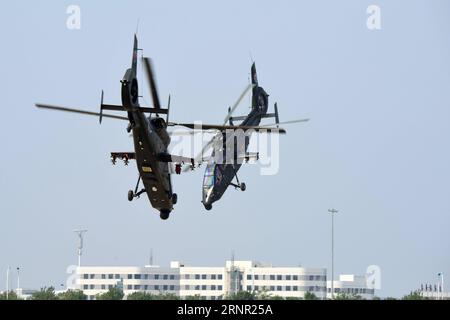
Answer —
169 158
125 156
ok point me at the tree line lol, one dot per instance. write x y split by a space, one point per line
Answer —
116 293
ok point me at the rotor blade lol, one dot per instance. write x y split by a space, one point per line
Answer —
288 122
222 128
89 113
151 79
230 113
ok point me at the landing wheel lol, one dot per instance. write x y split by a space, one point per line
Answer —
164 214
130 195
208 207
243 186
174 198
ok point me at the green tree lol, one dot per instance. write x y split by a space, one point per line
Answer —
294 298
167 296
263 294
346 296
113 293
241 295
140 295
72 295
310 296
414 295
196 297
45 294
12 295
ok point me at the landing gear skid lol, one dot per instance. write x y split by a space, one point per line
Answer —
135 194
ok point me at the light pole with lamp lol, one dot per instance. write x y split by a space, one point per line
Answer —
332 212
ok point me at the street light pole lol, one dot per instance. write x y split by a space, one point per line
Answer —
441 274
332 212
18 281
7 283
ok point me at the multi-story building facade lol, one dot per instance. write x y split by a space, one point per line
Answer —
351 285
207 282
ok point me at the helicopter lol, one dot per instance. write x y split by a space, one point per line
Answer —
230 149
150 137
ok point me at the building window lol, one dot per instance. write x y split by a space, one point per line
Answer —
187 276
92 276
203 276
145 287
137 276
256 288
288 288
279 288
165 287
103 276
117 276
187 287
145 276
85 276
103 287
172 277
172 288
311 278
129 287
295 288
213 287
272 277
203 287
197 277
156 287
249 288
110 276
272 288
110 286
197 288
165 277
156 276
249 277
256 277
219 288
213 277
130 276
137 287
219 277
288 277
279 277
295 278
85 287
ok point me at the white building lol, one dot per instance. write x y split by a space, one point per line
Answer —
208 282
350 284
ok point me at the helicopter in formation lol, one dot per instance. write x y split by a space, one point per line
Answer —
230 148
150 136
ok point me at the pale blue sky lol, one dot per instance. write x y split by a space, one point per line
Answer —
376 147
